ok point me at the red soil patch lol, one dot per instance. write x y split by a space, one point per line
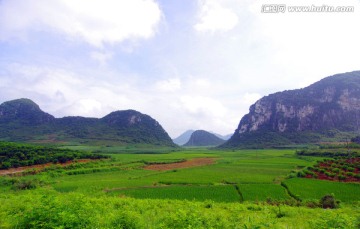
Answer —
38 168
328 166
180 165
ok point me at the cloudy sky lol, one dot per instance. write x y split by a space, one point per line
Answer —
190 64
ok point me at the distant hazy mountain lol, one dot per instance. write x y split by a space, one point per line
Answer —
224 137
183 138
320 111
204 138
23 120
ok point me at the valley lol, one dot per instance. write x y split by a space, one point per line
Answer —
197 114
247 188
293 162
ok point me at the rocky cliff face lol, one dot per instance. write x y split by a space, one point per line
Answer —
332 103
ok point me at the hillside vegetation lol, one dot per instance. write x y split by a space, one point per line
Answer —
13 155
22 120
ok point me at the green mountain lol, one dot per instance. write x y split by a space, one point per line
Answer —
23 111
23 120
204 138
327 110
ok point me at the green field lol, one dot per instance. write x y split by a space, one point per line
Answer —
308 189
262 192
238 191
219 193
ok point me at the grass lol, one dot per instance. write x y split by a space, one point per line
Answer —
219 193
258 173
263 192
312 189
44 208
118 192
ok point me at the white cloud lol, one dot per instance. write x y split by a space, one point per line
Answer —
101 57
203 106
62 92
85 107
169 85
95 21
213 79
308 46
250 98
214 17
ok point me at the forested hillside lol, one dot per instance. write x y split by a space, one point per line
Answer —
14 155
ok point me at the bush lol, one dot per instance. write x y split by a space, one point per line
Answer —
336 170
5 165
341 177
301 174
351 169
24 184
328 201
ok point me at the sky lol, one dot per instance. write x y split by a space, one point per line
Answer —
189 64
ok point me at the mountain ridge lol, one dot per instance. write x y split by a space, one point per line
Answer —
305 115
23 120
203 138
183 138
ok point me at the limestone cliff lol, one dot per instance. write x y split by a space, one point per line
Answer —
333 103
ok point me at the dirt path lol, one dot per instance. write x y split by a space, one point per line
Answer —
37 167
180 165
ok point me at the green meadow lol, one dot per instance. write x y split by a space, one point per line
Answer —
242 189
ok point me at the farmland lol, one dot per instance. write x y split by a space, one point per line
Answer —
238 189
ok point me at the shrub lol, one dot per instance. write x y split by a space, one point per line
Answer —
335 170
293 174
24 184
301 174
5 165
341 177
328 201
351 169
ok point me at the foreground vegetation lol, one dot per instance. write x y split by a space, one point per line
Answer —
48 209
242 189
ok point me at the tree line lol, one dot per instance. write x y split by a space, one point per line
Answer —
13 155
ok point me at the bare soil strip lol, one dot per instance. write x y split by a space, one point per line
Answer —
38 167
180 165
